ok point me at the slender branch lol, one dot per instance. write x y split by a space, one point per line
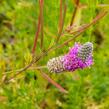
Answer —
30 68
84 6
75 12
60 17
61 21
53 82
37 32
98 17
84 26
41 12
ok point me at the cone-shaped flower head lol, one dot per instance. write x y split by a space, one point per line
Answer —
79 56
56 64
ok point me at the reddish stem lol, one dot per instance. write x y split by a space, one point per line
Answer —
99 16
53 82
60 17
38 27
41 12
61 20
75 11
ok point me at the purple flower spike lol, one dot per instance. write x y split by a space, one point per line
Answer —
78 57
74 59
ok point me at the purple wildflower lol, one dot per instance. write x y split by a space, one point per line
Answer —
72 61
78 57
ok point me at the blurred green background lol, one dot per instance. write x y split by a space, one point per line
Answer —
87 89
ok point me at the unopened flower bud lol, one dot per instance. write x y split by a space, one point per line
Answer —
85 51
